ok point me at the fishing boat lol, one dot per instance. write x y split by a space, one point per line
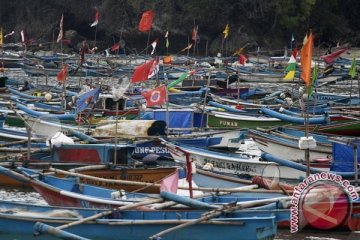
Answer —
284 142
19 219
240 165
219 119
69 192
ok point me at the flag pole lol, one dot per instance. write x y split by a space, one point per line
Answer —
222 45
167 112
206 47
95 35
148 42
206 94
188 50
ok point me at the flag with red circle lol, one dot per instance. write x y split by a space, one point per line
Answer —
156 96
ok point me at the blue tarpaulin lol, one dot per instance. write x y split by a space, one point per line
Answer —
343 157
181 118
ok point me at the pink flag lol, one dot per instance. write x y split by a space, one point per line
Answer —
96 21
170 183
145 71
23 37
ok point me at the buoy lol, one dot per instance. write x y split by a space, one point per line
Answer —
48 96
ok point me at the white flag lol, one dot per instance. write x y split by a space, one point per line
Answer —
61 35
153 46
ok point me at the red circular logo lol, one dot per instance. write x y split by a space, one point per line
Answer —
325 206
155 96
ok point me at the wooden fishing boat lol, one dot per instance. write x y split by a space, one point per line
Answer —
65 116
18 219
344 128
69 192
290 118
223 140
284 142
149 175
241 165
218 119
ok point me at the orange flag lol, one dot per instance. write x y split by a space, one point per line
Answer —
305 58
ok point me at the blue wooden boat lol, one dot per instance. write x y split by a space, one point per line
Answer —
66 116
97 153
70 193
284 142
295 119
19 219
223 140
241 165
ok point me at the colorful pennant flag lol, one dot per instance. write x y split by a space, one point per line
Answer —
352 71
61 34
145 71
305 58
146 21
291 68
61 76
96 21
156 96
226 31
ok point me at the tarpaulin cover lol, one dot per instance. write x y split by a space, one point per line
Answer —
343 157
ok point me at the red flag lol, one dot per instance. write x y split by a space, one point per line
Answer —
242 59
155 97
170 183
305 58
145 71
330 58
96 21
146 21
61 76
115 47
